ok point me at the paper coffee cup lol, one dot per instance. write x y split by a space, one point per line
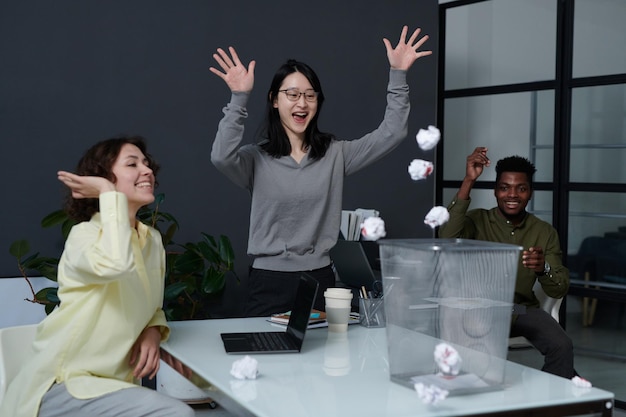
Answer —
338 307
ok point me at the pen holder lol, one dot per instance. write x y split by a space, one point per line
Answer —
372 312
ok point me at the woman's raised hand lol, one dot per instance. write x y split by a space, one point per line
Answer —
406 52
236 76
85 186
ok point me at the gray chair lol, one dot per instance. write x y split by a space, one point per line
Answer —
548 304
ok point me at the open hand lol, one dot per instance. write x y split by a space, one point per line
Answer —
406 52
85 186
234 73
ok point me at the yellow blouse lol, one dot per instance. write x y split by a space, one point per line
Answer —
111 282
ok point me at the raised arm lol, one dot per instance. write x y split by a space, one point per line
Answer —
474 166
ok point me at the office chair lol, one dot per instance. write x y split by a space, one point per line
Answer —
548 304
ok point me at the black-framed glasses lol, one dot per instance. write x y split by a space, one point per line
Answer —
294 94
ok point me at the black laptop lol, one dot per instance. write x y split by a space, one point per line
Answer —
289 341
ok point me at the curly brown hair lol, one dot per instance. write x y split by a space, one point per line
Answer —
98 161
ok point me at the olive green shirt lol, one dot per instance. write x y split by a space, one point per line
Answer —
490 225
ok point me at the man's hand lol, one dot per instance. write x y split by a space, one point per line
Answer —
476 163
534 259
473 169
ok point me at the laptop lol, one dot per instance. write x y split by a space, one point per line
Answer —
289 341
353 265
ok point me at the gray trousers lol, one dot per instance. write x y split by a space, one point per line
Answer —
128 402
547 335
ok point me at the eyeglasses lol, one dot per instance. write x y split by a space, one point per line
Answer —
294 95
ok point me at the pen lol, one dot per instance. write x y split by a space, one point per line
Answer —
364 297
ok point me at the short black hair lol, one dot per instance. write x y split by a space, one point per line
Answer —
516 164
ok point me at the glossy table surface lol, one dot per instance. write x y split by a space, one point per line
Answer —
348 375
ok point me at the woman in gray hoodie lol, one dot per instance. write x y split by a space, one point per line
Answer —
295 172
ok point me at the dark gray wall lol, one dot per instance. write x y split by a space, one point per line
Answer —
75 72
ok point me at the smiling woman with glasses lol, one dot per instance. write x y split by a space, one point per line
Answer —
295 172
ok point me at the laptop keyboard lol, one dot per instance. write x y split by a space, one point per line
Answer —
269 341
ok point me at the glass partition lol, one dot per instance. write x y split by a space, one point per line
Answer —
598 134
598 36
508 124
500 42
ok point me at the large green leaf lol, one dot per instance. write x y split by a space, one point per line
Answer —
189 262
213 281
66 227
49 297
19 248
209 253
49 271
174 290
226 251
49 308
54 218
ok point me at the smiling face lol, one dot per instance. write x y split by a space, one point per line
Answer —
295 116
513 192
133 177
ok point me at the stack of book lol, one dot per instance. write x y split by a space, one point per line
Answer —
317 319
351 222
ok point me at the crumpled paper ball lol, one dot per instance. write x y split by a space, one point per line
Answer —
437 216
447 359
581 382
430 394
428 139
420 169
245 368
373 228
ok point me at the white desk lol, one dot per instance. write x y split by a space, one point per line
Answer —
311 383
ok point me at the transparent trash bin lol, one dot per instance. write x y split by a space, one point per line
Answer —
453 291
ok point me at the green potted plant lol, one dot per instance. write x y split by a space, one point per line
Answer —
196 272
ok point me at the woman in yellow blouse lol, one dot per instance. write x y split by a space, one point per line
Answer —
91 352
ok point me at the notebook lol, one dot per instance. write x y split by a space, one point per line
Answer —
289 341
353 265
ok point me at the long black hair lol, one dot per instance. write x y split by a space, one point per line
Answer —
274 137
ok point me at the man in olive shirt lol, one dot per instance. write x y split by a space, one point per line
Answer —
509 222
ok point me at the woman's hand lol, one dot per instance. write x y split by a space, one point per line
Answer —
406 52
85 186
234 73
145 353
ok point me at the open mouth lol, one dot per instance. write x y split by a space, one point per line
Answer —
300 117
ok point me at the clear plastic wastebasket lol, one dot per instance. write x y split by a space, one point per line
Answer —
453 291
